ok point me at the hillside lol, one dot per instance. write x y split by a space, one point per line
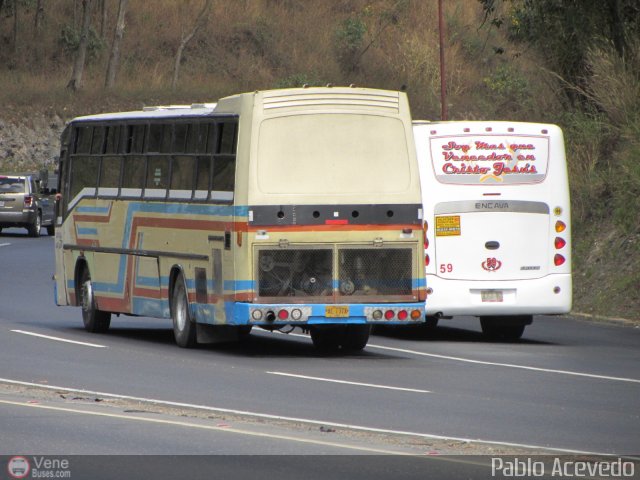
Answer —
495 69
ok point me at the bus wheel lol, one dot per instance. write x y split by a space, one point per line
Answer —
95 321
327 339
504 328
355 337
184 329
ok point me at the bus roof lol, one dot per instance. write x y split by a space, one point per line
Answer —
161 111
308 97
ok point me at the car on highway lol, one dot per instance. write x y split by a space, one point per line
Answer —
25 201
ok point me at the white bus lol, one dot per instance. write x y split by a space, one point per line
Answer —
497 219
296 207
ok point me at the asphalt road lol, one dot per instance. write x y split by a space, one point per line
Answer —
569 386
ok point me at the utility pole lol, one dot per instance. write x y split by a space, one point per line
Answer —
443 81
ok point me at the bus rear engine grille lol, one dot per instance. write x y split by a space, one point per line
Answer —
334 275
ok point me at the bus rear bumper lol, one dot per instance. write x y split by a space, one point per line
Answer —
326 314
550 295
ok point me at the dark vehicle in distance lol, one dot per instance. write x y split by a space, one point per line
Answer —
25 201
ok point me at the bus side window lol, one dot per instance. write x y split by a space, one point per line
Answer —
182 170
112 137
156 135
224 169
109 175
226 138
180 137
133 176
98 141
82 140
157 176
203 177
135 138
84 177
196 138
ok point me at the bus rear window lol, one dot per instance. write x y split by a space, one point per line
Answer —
490 159
333 154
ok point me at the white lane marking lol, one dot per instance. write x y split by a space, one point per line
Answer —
58 339
4 244
225 429
495 364
509 365
331 380
294 419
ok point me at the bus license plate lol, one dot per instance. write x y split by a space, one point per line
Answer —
491 295
334 311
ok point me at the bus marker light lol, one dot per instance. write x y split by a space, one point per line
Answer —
427 260
415 314
556 290
560 226
429 291
558 260
559 242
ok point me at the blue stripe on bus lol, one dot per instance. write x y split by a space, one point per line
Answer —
86 231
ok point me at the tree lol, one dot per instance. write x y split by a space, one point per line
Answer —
200 20
39 16
81 54
114 58
564 31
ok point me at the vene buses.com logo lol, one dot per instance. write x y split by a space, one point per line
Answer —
18 467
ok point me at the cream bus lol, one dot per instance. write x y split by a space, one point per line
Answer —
295 207
497 216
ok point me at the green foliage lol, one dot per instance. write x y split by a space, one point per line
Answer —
70 41
506 91
299 80
349 40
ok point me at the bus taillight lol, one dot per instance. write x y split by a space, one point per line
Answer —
559 243
558 259
425 227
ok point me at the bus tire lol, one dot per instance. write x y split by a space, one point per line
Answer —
184 328
355 337
504 328
95 321
327 339
34 227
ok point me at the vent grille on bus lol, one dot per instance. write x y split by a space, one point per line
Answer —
342 100
311 274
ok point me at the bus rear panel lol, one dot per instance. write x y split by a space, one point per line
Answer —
497 219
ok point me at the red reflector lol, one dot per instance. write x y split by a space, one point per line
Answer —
426 243
559 242
427 260
402 315
283 314
336 222
558 260
388 314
